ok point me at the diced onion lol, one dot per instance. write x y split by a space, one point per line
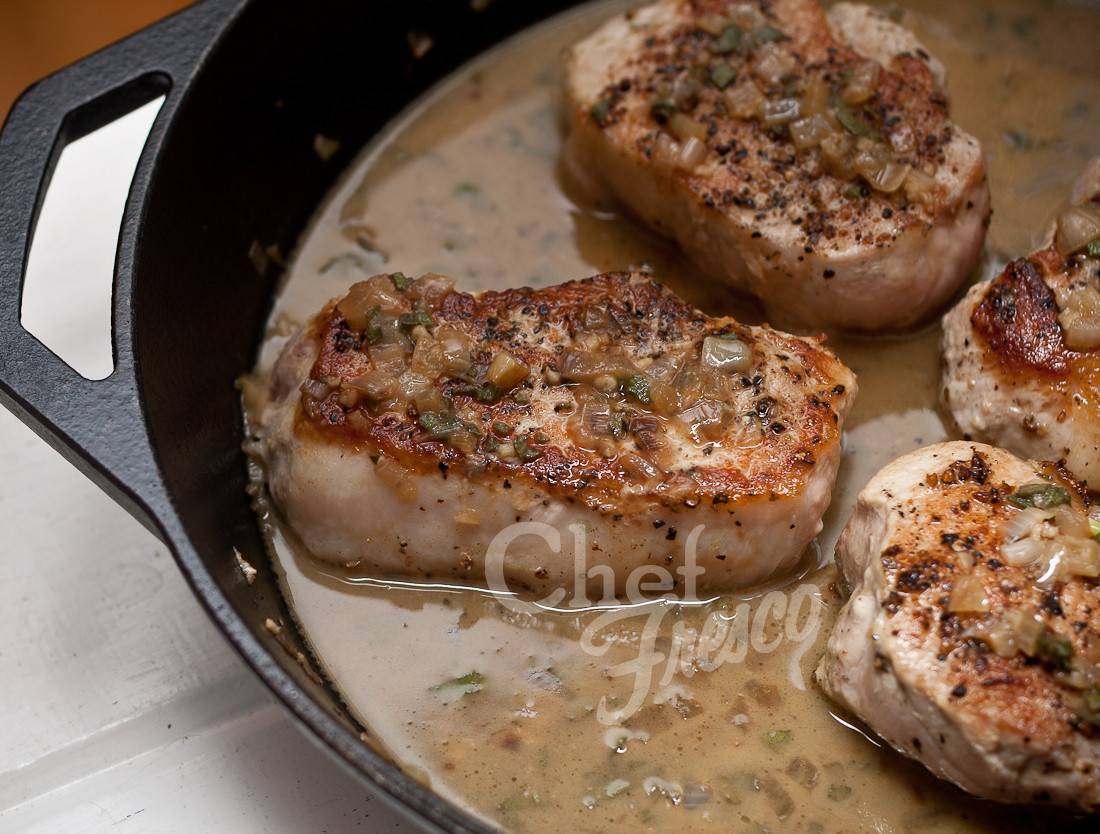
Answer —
1072 522
862 84
427 358
429 399
743 100
1080 557
364 296
997 634
919 186
692 152
890 178
1022 552
707 419
1082 332
663 397
815 100
1025 629
779 111
683 127
315 389
1080 317
968 595
375 385
1020 523
773 63
727 354
808 132
685 155
836 150
1077 227
431 288
870 157
588 365
506 371
389 358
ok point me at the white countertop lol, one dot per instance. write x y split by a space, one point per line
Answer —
123 708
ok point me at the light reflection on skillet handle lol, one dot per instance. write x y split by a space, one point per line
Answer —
96 425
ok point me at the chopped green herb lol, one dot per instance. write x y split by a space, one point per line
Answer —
400 281
411 320
491 444
769 34
722 75
848 118
727 42
560 407
467 684
617 424
440 425
839 792
601 111
1094 528
524 452
1017 139
373 331
777 738
853 192
1054 649
1092 699
521 396
638 388
541 438
1093 248
503 429
484 393
663 108
1042 496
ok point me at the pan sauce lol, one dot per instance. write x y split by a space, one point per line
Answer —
511 712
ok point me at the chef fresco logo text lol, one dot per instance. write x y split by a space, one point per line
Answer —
792 614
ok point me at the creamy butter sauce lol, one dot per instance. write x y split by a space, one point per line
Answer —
665 717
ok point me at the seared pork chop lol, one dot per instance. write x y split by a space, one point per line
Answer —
782 158
972 635
1021 353
409 424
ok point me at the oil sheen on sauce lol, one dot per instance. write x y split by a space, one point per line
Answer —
662 717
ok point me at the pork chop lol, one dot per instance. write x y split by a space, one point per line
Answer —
1021 353
408 425
971 638
808 165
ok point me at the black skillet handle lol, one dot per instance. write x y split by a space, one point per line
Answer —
97 425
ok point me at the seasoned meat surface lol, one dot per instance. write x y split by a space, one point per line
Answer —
1010 376
409 424
782 159
971 637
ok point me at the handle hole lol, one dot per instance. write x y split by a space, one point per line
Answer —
70 268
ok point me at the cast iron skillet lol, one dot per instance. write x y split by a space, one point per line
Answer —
229 164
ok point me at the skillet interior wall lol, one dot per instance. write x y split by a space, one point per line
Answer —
238 168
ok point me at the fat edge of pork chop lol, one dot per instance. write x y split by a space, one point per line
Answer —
800 227
624 416
954 655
